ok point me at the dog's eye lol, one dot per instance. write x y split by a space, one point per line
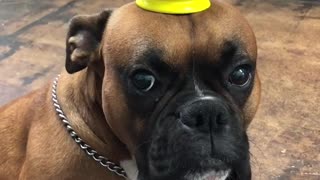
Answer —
143 81
241 75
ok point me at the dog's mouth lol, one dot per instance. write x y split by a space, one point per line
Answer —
212 169
191 158
212 175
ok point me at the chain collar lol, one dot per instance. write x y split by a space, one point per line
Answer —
105 162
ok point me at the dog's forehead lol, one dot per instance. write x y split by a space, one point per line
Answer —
132 31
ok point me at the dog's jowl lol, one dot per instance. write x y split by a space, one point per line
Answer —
145 95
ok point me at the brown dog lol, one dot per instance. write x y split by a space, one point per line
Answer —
164 96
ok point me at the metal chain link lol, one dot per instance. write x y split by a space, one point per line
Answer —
111 166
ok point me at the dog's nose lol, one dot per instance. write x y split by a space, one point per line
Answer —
204 113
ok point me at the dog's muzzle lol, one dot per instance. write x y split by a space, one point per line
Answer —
194 136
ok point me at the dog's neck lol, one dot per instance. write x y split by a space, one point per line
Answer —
80 97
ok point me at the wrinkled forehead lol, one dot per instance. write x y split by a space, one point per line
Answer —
132 32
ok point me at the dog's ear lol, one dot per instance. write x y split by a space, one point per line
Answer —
83 40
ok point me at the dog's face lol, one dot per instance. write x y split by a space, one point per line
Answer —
178 90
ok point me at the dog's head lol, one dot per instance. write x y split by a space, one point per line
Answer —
178 90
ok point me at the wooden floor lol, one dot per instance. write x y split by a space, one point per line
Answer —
285 136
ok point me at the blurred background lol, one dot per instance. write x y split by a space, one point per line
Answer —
285 135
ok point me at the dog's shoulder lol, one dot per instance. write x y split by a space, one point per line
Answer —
16 119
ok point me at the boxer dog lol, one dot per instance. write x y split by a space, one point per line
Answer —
165 97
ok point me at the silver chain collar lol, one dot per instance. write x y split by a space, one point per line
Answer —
111 166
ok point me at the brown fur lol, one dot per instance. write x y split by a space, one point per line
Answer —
35 145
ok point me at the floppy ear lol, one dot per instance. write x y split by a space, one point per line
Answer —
83 40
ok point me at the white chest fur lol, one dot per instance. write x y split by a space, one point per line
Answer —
130 166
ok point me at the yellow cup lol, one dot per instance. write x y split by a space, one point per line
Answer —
174 6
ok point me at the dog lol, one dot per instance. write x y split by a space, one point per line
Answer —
145 96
